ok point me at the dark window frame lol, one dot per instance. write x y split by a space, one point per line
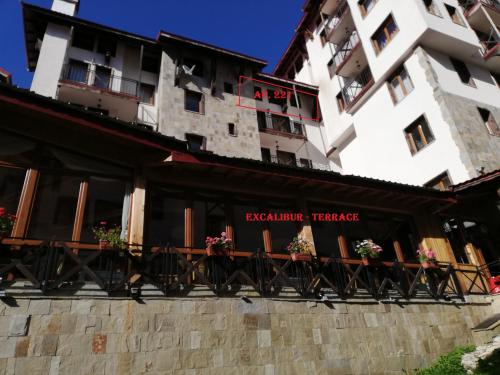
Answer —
463 72
384 30
397 77
201 101
426 140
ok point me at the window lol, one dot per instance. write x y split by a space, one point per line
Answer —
340 102
418 135
147 93
165 222
297 128
454 14
102 77
432 8
193 101
195 66
276 96
331 68
400 85
195 142
384 34
305 163
489 121
151 64
257 93
209 219
106 46
441 182
77 71
366 6
228 88
262 120
463 72
83 40
247 234
293 101
286 158
231 129
266 154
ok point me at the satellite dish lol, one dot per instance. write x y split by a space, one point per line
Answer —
188 70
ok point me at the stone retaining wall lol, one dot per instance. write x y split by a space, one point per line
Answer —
228 336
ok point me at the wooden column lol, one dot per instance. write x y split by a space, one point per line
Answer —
432 237
25 203
266 232
80 211
344 248
399 251
137 211
305 226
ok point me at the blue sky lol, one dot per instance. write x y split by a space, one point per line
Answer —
260 28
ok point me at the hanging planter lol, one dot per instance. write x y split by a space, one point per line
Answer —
370 262
103 245
218 246
300 250
429 265
215 251
109 238
369 252
427 259
6 223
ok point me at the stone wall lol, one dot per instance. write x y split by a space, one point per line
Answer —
228 336
220 109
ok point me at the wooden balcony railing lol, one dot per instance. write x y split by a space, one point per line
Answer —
55 267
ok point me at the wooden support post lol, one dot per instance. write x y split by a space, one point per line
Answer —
399 251
266 232
25 203
188 232
344 248
305 226
137 213
80 211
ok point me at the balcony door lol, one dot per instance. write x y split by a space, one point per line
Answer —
77 71
102 77
286 158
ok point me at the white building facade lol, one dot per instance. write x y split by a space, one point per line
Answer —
409 90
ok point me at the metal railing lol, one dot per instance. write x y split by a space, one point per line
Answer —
336 18
489 41
281 124
357 86
468 4
54 267
345 48
100 78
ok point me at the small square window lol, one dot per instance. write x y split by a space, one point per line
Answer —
151 64
106 46
418 135
384 34
228 88
192 66
489 121
193 101
400 85
147 93
432 8
231 129
195 142
441 182
454 14
463 72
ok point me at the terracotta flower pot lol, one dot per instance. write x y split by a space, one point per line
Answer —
367 261
103 244
215 252
429 265
301 257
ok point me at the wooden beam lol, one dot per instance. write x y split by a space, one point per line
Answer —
25 203
80 211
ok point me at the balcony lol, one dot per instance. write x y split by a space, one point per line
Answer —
286 158
470 6
354 89
96 88
338 22
280 125
489 42
348 56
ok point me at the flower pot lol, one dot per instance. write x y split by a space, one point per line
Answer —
367 261
215 252
301 257
103 244
429 265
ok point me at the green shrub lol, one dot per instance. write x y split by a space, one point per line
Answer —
449 364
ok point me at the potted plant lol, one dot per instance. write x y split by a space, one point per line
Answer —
109 238
369 251
217 246
427 258
6 223
300 250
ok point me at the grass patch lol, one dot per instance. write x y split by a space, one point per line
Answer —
449 364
